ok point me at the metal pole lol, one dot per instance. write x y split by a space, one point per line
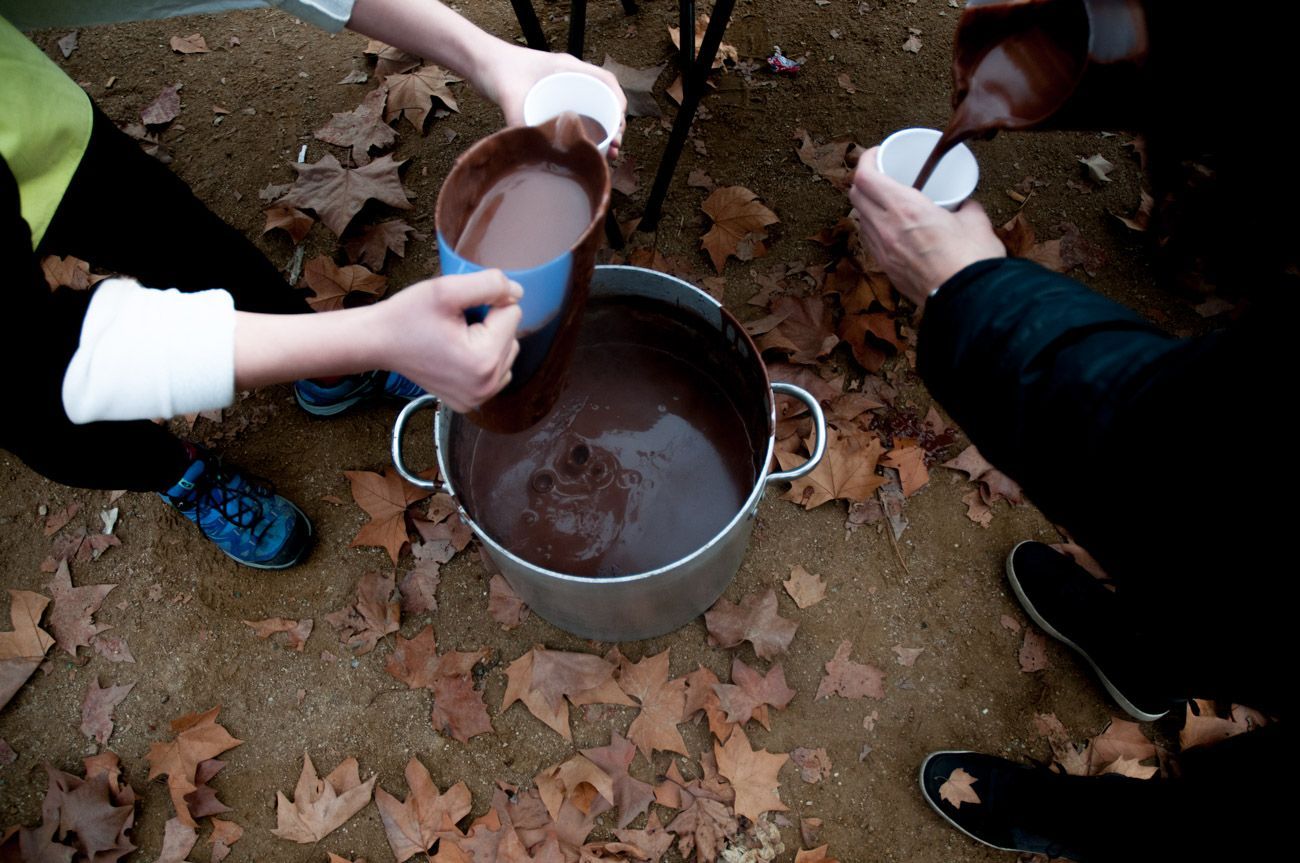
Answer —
528 23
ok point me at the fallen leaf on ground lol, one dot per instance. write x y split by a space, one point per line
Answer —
637 85
631 795
97 710
192 44
543 679
390 60
411 95
1141 219
737 215
22 648
810 830
413 826
704 828
373 615
804 588
319 806
624 177
833 162
419 588
178 841
67 44
297 630
814 764
332 284
725 51
337 193
372 245
802 330
1009 622
163 109
291 220
907 655
1097 167
993 484
504 606
1131 768
224 834
90 816
662 702
458 707
198 738
1033 652
752 774
820 854
1203 725
846 472
564 783
957 789
849 679
203 800
909 461
755 620
385 497
362 129
750 693
71 618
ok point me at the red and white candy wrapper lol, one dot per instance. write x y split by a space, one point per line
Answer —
781 64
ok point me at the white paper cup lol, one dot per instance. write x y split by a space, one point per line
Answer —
579 93
902 155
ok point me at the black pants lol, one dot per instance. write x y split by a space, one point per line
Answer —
124 213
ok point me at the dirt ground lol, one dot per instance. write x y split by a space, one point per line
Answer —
192 650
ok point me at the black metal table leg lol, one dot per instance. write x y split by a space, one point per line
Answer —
529 24
693 88
686 21
577 26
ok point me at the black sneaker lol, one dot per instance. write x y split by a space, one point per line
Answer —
1078 610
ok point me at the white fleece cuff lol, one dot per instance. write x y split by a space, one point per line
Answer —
147 353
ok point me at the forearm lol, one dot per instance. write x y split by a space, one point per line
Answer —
273 349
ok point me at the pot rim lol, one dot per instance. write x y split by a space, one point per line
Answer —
443 416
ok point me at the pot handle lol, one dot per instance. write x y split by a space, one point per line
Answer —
819 430
399 429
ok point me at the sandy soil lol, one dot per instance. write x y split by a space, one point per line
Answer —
192 651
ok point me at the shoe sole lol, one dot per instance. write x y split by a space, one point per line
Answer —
327 410
306 547
920 778
1129 707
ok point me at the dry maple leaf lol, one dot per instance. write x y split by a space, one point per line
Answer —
178 841
662 702
637 85
373 615
1033 652
224 834
752 774
631 795
163 109
297 630
804 588
802 330
750 693
704 827
419 588
725 51
321 805
701 695
385 497
846 472
192 44
22 648
814 764
198 738
543 679
957 789
849 679
97 710
372 245
332 284
833 162
504 606
993 484
390 60
413 826
909 460
68 272
653 841
203 801
1203 725
337 193
71 619
820 854
755 620
362 129
1131 768
411 94
458 707
578 780
82 819
291 220
736 215
907 655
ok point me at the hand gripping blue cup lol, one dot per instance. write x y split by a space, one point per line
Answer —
529 201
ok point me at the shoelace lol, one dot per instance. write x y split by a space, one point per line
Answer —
212 491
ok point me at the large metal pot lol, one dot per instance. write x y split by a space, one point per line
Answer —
644 604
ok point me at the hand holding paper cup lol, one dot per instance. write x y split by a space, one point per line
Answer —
584 95
902 155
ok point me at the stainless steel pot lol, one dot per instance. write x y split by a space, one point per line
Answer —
645 604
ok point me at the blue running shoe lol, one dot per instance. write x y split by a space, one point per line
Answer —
323 401
244 517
